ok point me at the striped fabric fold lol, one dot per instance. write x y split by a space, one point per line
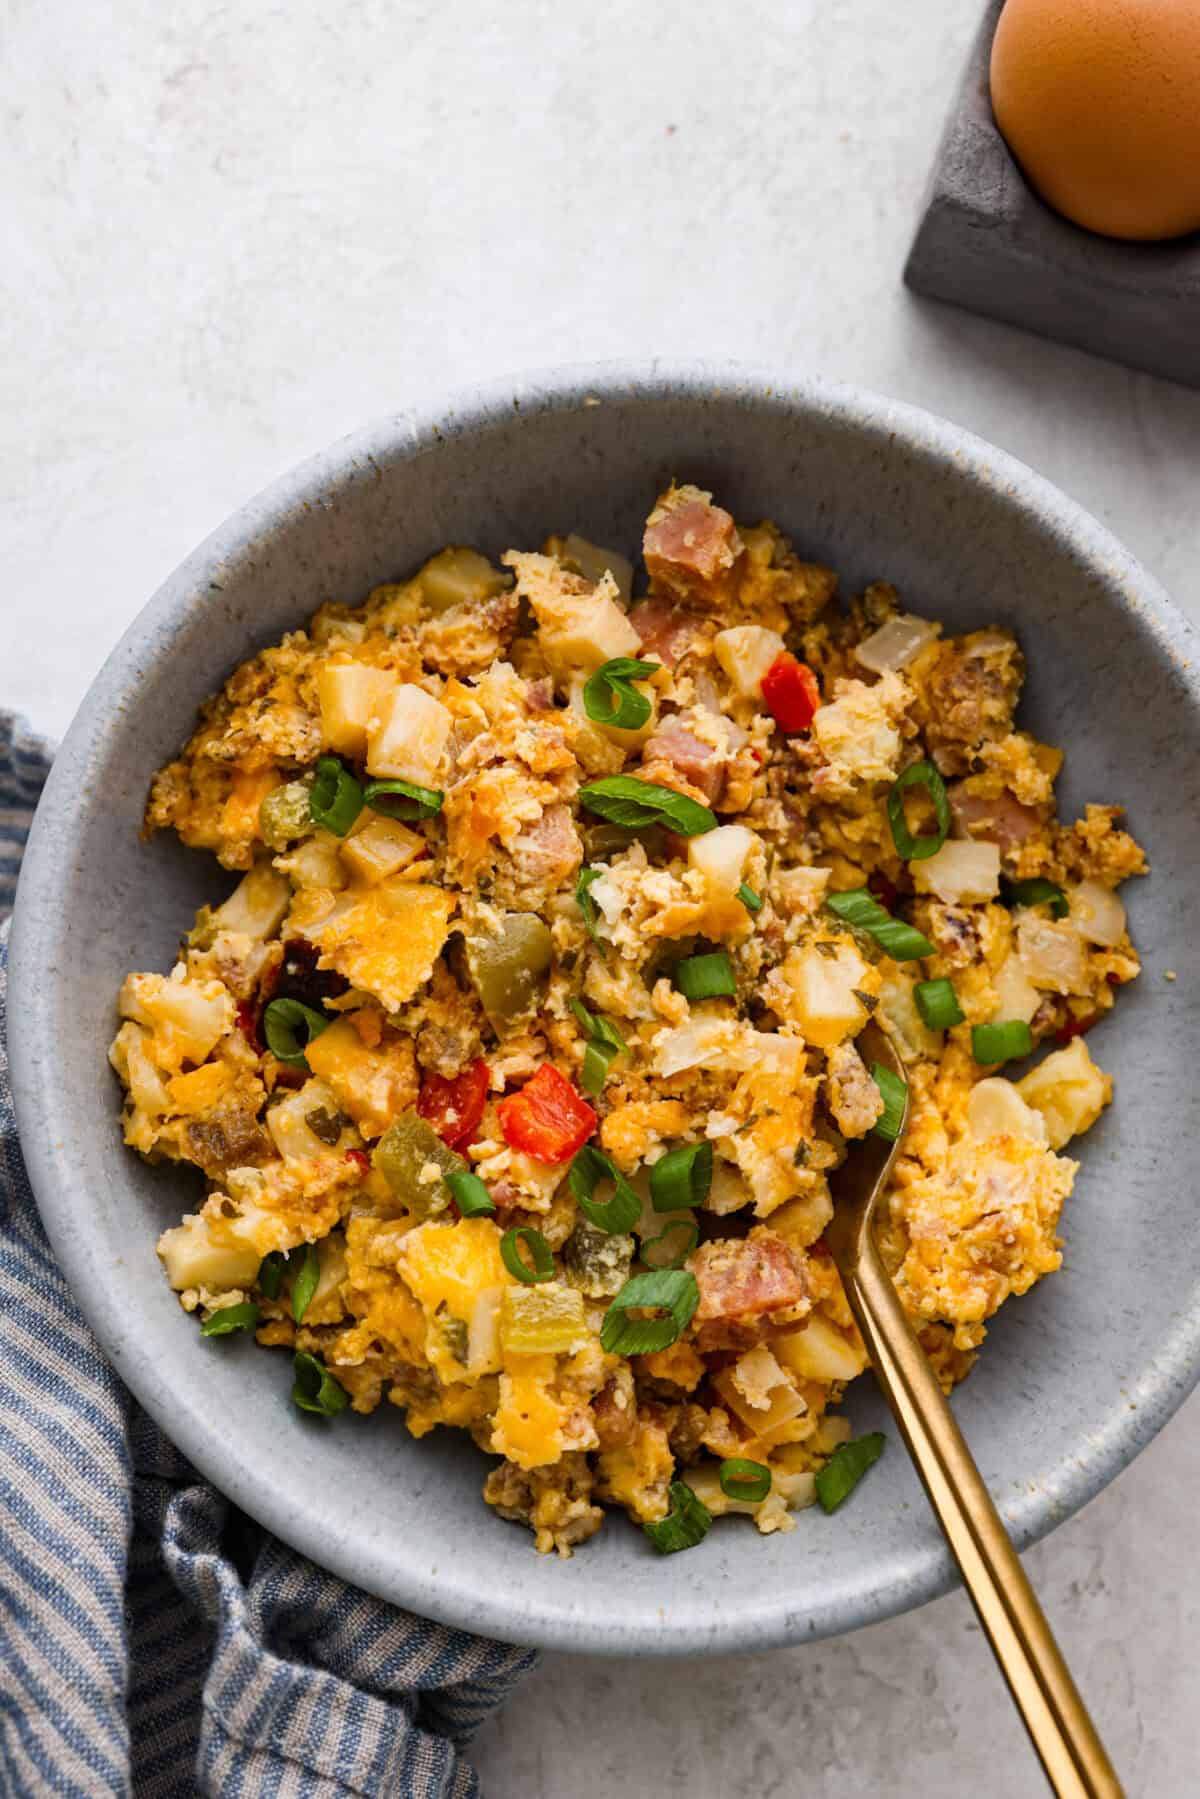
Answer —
153 1641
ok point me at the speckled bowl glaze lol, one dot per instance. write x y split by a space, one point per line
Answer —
1075 1378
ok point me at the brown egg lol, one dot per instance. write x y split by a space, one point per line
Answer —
1099 101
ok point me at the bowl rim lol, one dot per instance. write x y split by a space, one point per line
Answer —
928 1571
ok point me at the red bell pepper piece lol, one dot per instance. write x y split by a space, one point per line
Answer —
546 1118
359 1159
454 1107
790 690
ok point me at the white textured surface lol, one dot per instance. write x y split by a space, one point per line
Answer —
229 234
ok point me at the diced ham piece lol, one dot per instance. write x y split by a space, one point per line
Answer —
699 764
742 1284
1003 821
548 853
668 631
689 543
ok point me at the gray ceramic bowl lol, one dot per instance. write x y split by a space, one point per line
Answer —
1075 1378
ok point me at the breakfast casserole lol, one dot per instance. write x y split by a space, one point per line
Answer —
516 1063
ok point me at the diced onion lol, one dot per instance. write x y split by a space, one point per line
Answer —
894 645
1097 914
996 1109
962 870
1052 955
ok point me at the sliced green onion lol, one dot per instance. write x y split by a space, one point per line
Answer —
597 1059
846 1467
682 1177
938 1004
1006 1042
270 1273
705 977
672 1290
902 942
666 1257
403 800
605 1043
315 1389
615 1215
306 1282
895 1097
470 1195
595 1025
686 1524
587 905
608 698
540 1255
624 800
740 1479
336 798
749 898
242 1317
283 1022
1035 892
912 848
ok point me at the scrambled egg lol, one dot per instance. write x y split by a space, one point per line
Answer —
451 963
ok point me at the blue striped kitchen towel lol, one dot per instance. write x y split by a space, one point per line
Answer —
153 1642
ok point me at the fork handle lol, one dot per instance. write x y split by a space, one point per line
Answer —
1047 1698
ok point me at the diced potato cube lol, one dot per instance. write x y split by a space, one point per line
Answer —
483 1333
996 1109
186 1018
721 856
128 1056
798 891
1052 955
257 904
542 1320
193 1259
381 848
291 1123
755 1375
746 652
351 694
1097 914
593 563
1069 1091
456 575
824 979
316 862
820 1352
1016 996
898 1009
785 1403
587 629
961 871
406 739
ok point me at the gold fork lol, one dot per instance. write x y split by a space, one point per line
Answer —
1038 1678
